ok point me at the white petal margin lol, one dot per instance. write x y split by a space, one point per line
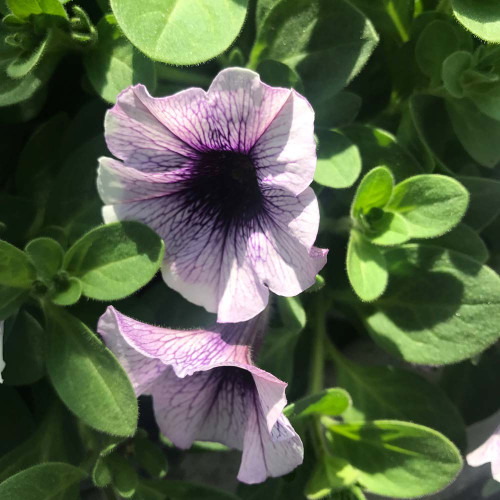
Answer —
233 114
285 154
488 452
187 351
2 362
281 249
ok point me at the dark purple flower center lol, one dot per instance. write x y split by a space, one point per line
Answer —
226 185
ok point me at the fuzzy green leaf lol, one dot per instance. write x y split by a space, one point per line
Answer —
366 268
115 260
430 204
114 63
397 459
440 306
339 161
87 376
480 17
179 32
49 481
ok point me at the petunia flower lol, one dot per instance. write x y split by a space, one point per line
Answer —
205 387
488 452
222 176
2 362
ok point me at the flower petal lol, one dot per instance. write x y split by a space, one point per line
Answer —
187 351
232 115
142 371
183 406
285 154
206 264
269 454
281 252
117 183
129 125
489 451
225 405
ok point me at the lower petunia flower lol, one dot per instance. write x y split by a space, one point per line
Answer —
488 452
205 387
223 177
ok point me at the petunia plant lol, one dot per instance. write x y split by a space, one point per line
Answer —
249 249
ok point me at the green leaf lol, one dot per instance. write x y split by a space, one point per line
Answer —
465 240
17 274
26 61
16 421
470 385
47 255
87 377
73 193
436 42
326 59
17 90
177 32
337 111
19 215
339 161
124 476
114 63
70 293
452 70
440 306
392 19
382 392
101 473
379 147
397 459
24 8
366 268
482 18
16 269
484 206
54 440
292 313
49 481
150 458
430 204
488 102
433 127
39 158
24 351
263 8
115 260
278 74
331 402
476 131
374 190
277 353
390 229
330 474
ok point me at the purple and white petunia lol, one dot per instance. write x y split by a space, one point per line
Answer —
205 387
223 177
488 452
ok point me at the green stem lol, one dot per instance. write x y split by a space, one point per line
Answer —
317 369
444 6
393 13
317 355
